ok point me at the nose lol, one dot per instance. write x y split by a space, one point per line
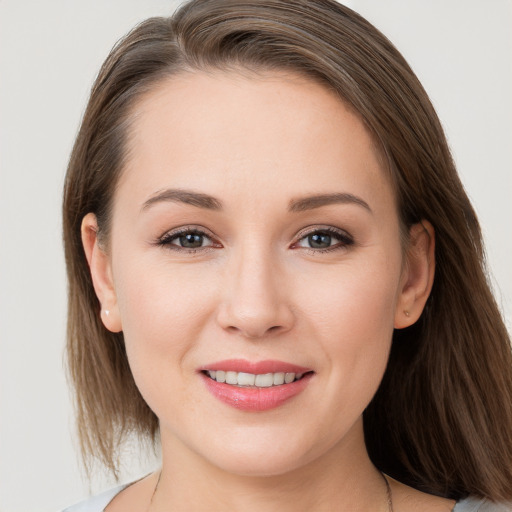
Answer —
254 303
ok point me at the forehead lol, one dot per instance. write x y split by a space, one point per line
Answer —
213 130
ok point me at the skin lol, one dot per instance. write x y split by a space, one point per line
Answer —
257 290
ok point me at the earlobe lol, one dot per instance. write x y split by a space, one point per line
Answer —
418 275
101 274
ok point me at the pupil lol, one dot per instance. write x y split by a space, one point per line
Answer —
191 240
319 240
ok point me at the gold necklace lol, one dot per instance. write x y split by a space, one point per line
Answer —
388 492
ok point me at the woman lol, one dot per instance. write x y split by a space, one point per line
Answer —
274 270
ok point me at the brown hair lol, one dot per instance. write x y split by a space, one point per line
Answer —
441 420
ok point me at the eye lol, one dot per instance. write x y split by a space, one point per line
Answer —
325 240
190 240
187 239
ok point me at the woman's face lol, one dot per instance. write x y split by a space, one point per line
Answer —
254 230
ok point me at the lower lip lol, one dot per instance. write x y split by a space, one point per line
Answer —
255 399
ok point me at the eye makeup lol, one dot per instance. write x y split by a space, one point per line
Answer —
193 239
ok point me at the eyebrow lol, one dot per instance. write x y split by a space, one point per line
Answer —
208 202
317 201
176 195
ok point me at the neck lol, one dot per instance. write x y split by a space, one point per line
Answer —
342 479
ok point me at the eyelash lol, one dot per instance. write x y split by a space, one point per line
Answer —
167 238
345 240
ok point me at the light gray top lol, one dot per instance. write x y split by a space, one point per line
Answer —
481 505
96 503
99 503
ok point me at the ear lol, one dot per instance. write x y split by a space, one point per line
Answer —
417 275
101 273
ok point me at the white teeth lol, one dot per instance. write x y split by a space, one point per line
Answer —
246 379
231 378
278 379
289 377
265 380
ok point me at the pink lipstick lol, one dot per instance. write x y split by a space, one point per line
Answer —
255 386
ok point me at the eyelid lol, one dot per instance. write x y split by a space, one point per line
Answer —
323 229
165 240
345 238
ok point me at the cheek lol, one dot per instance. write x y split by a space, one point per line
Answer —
163 312
357 298
352 320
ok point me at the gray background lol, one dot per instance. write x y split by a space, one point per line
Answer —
49 55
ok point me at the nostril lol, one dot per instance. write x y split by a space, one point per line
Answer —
254 317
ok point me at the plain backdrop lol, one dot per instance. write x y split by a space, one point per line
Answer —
49 55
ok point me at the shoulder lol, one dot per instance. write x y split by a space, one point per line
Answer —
481 505
96 503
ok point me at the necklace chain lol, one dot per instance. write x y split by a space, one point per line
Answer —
154 491
388 492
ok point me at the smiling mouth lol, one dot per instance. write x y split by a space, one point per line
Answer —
250 380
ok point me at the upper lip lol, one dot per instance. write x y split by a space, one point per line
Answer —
255 367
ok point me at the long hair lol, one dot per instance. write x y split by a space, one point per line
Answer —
441 420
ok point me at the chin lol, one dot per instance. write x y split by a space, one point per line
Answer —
266 458
259 467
